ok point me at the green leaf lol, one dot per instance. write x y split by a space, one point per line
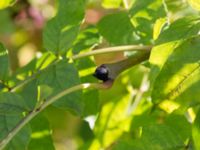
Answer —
196 131
11 104
195 4
117 28
59 77
41 134
158 27
21 140
143 15
111 3
4 63
29 93
179 75
181 29
6 3
172 132
61 31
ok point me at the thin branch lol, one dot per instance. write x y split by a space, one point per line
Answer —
48 102
139 95
30 78
113 49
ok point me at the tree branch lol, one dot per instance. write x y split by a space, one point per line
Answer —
113 49
48 102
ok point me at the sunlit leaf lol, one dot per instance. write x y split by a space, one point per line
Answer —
111 3
179 75
195 4
6 3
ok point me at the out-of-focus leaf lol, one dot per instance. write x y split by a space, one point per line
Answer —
86 132
111 3
6 3
7 25
195 4
113 120
157 131
21 140
11 104
4 63
61 31
41 134
59 77
179 75
117 28
177 9
196 131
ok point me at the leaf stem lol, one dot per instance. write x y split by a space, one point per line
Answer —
113 49
48 102
78 56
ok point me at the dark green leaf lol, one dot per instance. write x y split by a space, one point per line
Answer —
41 134
4 63
59 77
11 104
117 28
61 31
21 140
196 131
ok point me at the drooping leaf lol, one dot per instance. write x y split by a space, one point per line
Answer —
61 31
6 3
4 63
41 134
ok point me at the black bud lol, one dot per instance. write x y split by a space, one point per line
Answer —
101 73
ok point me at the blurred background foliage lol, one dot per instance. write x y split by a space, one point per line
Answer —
111 119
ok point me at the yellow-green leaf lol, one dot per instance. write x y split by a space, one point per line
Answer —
6 3
195 4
